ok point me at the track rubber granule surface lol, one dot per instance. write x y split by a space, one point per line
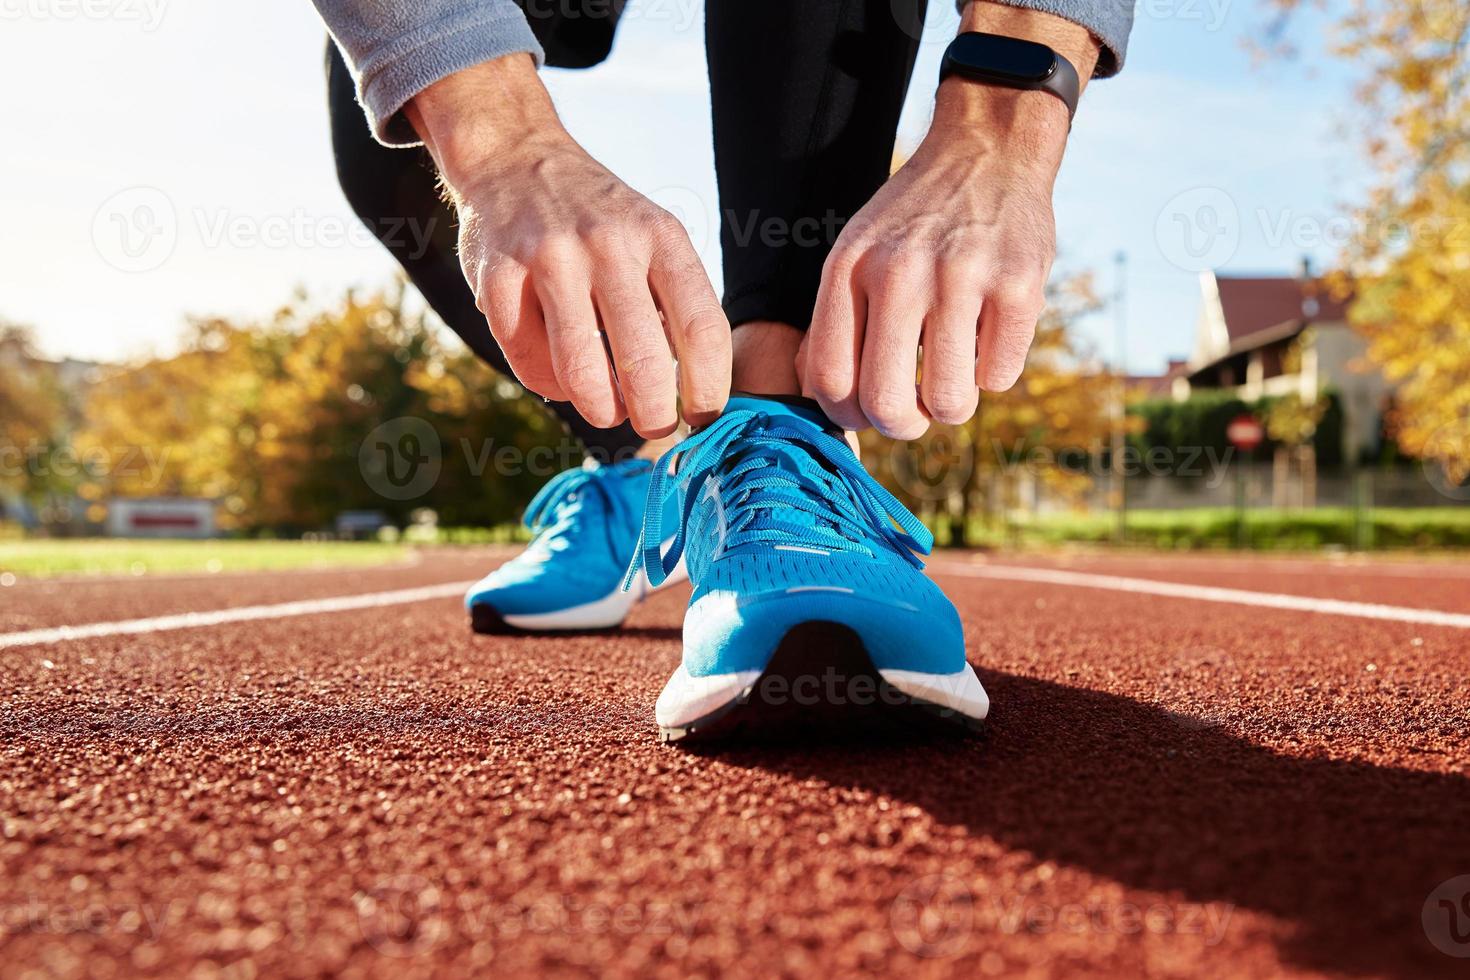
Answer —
1164 787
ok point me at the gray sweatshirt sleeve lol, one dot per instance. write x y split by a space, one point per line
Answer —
1108 20
398 48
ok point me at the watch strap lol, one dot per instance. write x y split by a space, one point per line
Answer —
983 58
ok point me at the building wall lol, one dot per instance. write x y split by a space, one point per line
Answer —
1336 358
1342 364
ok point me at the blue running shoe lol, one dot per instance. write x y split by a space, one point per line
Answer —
570 576
810 608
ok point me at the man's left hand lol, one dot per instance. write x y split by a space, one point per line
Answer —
951 255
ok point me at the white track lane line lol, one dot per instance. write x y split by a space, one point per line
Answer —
242 614
1207 593
1009 573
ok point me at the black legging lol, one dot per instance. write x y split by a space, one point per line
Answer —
806 97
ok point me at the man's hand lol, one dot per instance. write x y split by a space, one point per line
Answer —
950 256
559 251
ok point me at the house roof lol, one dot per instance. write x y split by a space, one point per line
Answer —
1158 384
1251 304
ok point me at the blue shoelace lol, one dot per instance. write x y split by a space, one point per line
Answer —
552 514
776 480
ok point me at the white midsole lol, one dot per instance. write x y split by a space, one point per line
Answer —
610 610
686 698
960 691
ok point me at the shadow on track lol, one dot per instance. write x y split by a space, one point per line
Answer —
1344 851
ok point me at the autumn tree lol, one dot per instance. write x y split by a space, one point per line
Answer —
349 370
270 419
33 415
1410 258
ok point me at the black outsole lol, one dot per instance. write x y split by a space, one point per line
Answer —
487 622
821 684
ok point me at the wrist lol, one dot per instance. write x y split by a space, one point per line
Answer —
483 116
1026 128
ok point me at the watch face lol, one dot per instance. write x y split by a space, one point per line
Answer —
1007 57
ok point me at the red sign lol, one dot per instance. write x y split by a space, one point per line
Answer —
1245 433
165 520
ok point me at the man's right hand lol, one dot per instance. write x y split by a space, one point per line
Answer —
554 245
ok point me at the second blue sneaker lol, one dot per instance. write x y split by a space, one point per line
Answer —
570 576
809 605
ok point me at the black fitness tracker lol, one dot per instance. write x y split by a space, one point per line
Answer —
1011 62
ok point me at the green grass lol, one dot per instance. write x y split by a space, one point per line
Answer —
1272 530
46 557
501 534
1306 530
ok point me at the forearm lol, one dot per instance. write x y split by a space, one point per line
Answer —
398 48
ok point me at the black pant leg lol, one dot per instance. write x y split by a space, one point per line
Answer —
395 193
806 96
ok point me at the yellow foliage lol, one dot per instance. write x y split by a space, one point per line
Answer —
1410 259
32 409
1292 421
268 418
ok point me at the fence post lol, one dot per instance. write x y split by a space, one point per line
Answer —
1362 504
1240 537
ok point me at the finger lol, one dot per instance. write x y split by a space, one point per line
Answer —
834 344
947 383
641 358
888 388
577 353
514 316
696 324
1007 325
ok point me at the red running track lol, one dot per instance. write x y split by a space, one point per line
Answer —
1167 787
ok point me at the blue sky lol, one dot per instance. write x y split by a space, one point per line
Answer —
205 124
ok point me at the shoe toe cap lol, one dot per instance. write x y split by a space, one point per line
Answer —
727 632
514 592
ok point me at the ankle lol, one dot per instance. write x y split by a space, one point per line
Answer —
764 358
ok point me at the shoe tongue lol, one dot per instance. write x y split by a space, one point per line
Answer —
789 458
786 458
801 408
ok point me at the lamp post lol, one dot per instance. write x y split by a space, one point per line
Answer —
1119 477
